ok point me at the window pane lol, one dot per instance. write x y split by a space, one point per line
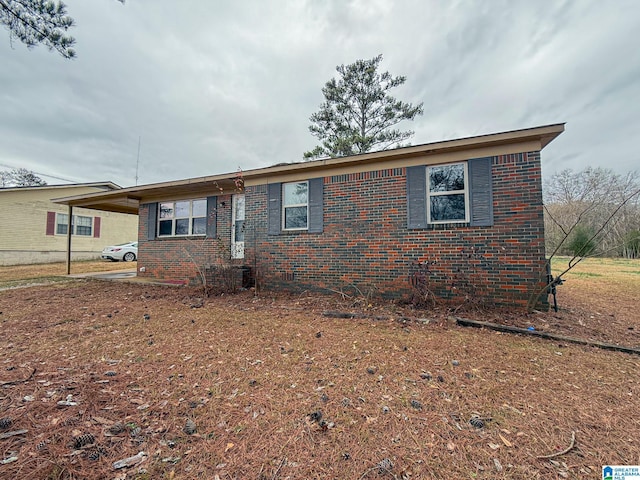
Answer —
447 207
84 221
199 208
239 232
446 178
165 227
83 225
182 209
199 226
239 207
166 210
182 226
295 193
295 217
61 223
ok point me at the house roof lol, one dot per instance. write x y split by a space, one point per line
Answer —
127 200
103 185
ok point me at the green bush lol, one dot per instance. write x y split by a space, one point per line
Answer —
582 244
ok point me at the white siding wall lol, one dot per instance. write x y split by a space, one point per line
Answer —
23 227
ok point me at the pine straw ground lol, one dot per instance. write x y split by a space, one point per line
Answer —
229 387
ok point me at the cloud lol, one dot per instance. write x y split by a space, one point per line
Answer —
210 87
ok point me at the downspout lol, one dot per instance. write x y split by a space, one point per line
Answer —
69 224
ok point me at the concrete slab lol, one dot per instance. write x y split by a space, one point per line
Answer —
110 275
128 275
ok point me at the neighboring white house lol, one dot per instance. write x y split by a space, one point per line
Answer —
33 229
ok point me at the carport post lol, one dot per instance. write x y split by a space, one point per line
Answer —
69 224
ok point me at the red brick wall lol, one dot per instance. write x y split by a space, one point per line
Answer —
182 260
366 246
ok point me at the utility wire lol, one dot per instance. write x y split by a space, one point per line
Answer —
42 174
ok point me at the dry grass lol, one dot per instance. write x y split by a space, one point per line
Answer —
25 272
249 371
21 274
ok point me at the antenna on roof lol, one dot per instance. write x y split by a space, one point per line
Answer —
138 161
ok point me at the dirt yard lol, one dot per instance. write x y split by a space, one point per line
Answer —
269 387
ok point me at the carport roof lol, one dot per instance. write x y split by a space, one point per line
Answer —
128 200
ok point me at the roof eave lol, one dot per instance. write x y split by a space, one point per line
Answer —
127 200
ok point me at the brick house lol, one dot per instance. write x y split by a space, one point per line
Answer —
455 218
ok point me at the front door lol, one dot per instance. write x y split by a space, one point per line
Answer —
237 227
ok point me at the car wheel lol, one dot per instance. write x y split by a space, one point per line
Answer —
129 257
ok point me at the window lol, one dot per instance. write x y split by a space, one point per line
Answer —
447 194
79 225
185 217
83 225
62 220
455 193
295 205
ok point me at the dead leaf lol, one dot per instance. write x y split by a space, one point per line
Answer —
494 446
102 420
451 446
505 441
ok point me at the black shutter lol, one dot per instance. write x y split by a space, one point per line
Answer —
316 222
416 197
212 217
274 197
481 192
152 221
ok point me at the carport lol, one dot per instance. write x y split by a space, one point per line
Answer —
127 200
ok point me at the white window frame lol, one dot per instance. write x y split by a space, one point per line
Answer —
465 191
173 218
294 205
74 224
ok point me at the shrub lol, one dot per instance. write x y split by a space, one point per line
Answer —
582 242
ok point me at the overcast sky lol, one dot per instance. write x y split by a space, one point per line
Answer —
212 86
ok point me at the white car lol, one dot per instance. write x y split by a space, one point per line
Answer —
127 252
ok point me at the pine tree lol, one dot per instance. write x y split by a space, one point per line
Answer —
358 114
35 22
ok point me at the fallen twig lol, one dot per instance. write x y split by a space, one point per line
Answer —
337 314
275 474
15 382
566 450
12 434
344 295
551 336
